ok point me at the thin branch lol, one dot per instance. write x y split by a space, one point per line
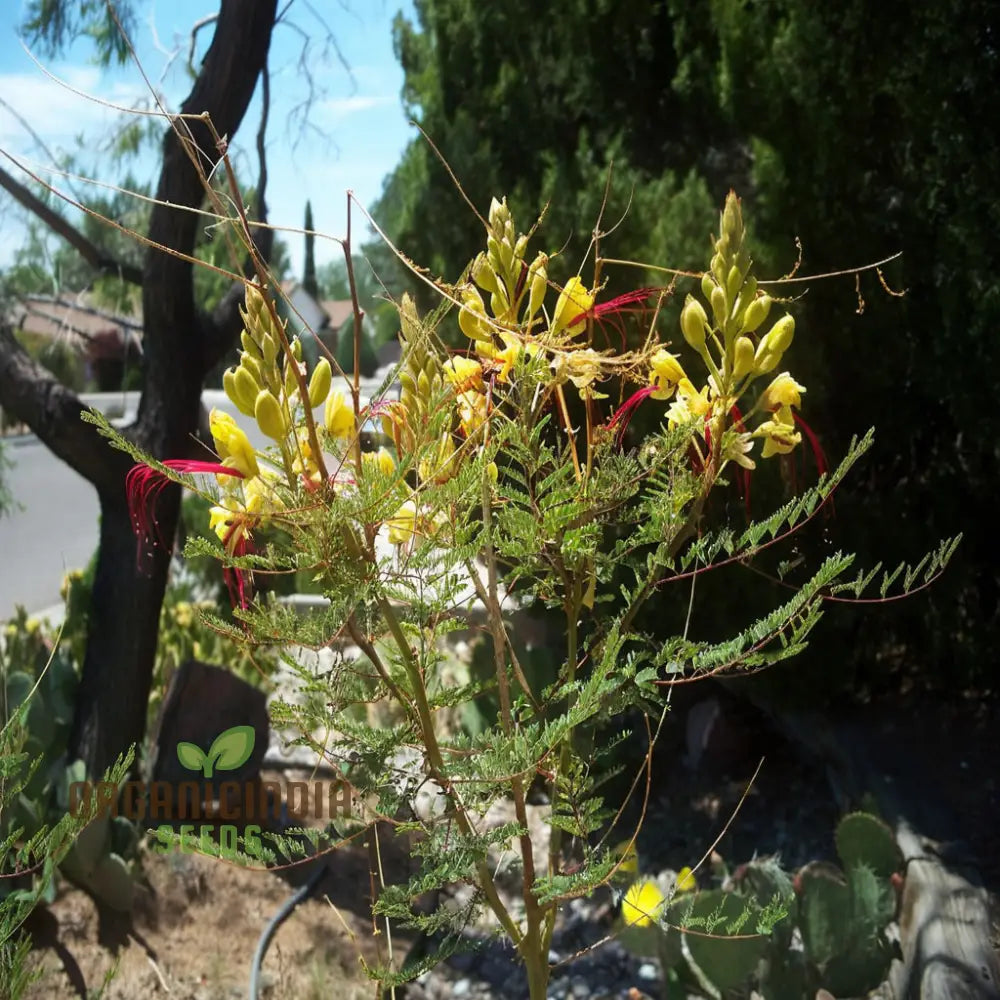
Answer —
37 398
99 259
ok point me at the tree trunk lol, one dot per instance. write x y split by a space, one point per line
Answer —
180 344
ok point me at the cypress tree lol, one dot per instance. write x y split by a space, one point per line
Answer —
309 272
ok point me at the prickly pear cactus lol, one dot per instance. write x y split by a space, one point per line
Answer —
843 917
863 839
721 943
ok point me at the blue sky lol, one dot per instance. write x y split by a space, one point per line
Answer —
357 126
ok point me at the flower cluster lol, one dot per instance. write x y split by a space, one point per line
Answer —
728 339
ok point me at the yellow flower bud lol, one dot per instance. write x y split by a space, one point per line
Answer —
734 281
493 472
267 411
253 369
251 346
774 344
537 284
572 306
269 346
743 357
255 302
756 313
483 274
319 384
338 416
472 318
232 444
241 389
707 284
718 300
694 323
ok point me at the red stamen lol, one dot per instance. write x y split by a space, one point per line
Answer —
624 412
143 486
813 442
238 581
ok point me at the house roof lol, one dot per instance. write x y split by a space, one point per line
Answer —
317 315
74 319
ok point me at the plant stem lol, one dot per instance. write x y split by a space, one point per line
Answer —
572 608
435 759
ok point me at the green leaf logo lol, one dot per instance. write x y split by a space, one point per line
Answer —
229 750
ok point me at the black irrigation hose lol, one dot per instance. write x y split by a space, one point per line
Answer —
303 892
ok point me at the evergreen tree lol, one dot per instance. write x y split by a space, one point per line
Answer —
309 282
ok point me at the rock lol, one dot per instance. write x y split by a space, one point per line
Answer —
202 702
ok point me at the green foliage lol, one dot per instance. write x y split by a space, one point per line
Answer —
6 497
488 479
368 362
688 102
745 937
37 832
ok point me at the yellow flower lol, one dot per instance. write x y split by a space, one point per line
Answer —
783 391
642 904
183 613
440 464
779 434
572 306
685 881
232 444
664 372
471 411
403 524
689 404
464 373
582 368
304 462
338 416
381 460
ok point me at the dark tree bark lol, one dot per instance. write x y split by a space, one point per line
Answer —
180 344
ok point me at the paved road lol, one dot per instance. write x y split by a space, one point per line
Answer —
57 528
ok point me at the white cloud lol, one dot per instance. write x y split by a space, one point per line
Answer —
341 107
56 113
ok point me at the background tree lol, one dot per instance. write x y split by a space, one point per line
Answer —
858 141
309 269
181 342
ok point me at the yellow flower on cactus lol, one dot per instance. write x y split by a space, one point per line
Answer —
403 524
685 881
232 444
464 373
642 904
572 306
338 416
783 391
665 373
779 434
689 405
